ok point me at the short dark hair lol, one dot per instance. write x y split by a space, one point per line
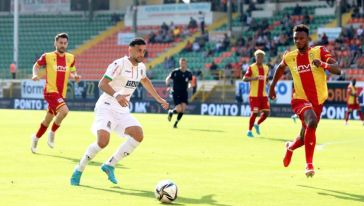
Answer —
61 35
137 41
301 27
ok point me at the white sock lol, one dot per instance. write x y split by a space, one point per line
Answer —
90 153
123 151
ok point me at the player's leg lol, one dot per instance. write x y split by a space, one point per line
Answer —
62 112
182 109
347 115
134 135
360 113
311 122
291 146
179 109
294 117
253 116
41 130
174 110
103 138
263 116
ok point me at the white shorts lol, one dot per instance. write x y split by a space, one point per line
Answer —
109 120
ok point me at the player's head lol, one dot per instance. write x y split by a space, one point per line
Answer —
353 82
259 56
301 36
137 49
61 42
183 63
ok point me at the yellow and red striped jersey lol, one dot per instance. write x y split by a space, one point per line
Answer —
257 88
309 81
352 99
58 69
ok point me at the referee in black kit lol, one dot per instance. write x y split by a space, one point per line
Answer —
181 78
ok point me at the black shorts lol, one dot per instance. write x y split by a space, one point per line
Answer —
180 97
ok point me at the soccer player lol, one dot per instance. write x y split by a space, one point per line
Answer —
112 112
257 75
307 66
181 78
59 65
353 102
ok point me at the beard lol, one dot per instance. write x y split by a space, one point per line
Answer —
61 50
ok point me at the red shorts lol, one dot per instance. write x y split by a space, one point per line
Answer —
299 106
258 104
55 101
352 107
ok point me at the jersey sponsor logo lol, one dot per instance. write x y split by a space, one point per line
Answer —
131 84
303 68
61 68
127 71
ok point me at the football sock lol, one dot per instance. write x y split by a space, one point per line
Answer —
310 142
360 115
251 121
90 153
124 150
298 142
42 129
55 127
263 116
174 111
179 117
347 115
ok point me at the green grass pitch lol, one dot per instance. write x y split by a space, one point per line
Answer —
209 158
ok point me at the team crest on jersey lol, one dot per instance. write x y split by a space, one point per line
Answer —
311 56
60 100
131 84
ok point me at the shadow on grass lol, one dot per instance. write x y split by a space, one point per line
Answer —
206 199
273 139
75 161
337 194
206 130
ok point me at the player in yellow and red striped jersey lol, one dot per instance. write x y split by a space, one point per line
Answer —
307 66
257 75
353 102
59 65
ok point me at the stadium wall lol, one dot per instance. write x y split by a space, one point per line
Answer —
28 95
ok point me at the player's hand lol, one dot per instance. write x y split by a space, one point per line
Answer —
122 99
272 93
77 78
316 62
35 78
164 103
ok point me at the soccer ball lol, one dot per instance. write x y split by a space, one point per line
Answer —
166 191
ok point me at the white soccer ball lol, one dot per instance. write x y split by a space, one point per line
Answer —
166 191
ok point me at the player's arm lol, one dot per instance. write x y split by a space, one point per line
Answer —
331 65
277 75
36 68
168 79
76 76
147 84
248 76
105 87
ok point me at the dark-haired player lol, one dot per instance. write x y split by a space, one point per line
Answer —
307 66
112 112
59 65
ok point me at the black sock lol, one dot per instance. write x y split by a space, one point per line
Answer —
179 117
175 111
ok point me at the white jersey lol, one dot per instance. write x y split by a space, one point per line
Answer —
124 80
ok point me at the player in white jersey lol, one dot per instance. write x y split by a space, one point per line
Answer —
112 111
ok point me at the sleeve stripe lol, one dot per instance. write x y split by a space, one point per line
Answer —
107 77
